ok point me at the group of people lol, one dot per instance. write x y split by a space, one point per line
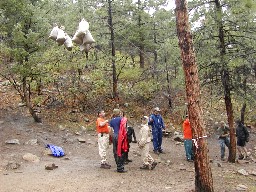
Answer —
242 136
121 136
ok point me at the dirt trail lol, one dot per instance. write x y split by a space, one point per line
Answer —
79 169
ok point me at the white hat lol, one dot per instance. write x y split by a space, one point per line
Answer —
157 109
145 117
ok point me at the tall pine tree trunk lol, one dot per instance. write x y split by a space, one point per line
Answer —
141 46
225 79
203 174
114 75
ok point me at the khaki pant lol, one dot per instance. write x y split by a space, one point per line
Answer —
146 157
103 143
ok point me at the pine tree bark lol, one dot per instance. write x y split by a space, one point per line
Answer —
225 79
114 75
141 46
203 174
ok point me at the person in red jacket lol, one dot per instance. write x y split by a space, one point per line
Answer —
187 133
120 145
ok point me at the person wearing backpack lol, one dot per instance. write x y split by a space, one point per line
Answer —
242 135
130 135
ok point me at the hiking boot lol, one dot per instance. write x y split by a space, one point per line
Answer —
134 141
161 151
145 167
156 152
105 166
127 161
153 165
241 157
121 171
246 157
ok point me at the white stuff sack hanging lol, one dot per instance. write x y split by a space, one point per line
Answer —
82 28
61 37
54 33
88 39
68 43
77 39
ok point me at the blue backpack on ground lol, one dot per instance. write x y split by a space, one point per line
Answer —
56 151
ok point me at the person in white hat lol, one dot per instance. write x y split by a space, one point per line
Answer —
157 123
145 139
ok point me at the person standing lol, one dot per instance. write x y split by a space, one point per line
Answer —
145 139
187 134
157 123
118 124
242 135
223 132
103 138
130 135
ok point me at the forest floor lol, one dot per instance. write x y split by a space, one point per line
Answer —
79 169
23 159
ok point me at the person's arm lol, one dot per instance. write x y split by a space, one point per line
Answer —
151 120
162 121
102 123
143 138
221 132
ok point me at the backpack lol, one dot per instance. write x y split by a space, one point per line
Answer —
246 133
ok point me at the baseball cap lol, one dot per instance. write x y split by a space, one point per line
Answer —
157 109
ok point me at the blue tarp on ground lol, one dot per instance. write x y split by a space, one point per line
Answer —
56 151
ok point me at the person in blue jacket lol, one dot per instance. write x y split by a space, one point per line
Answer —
157 124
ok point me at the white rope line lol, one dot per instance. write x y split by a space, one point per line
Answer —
195 140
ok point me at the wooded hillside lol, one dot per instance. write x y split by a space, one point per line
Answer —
135 61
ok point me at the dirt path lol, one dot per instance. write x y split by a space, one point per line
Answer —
79 169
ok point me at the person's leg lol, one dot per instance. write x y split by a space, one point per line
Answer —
243 148
186 149
102 148
188 146
222 148
147 158
144 157
155 139
134 136
115 148
240 148
245 151
160 138
120 163
227 142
